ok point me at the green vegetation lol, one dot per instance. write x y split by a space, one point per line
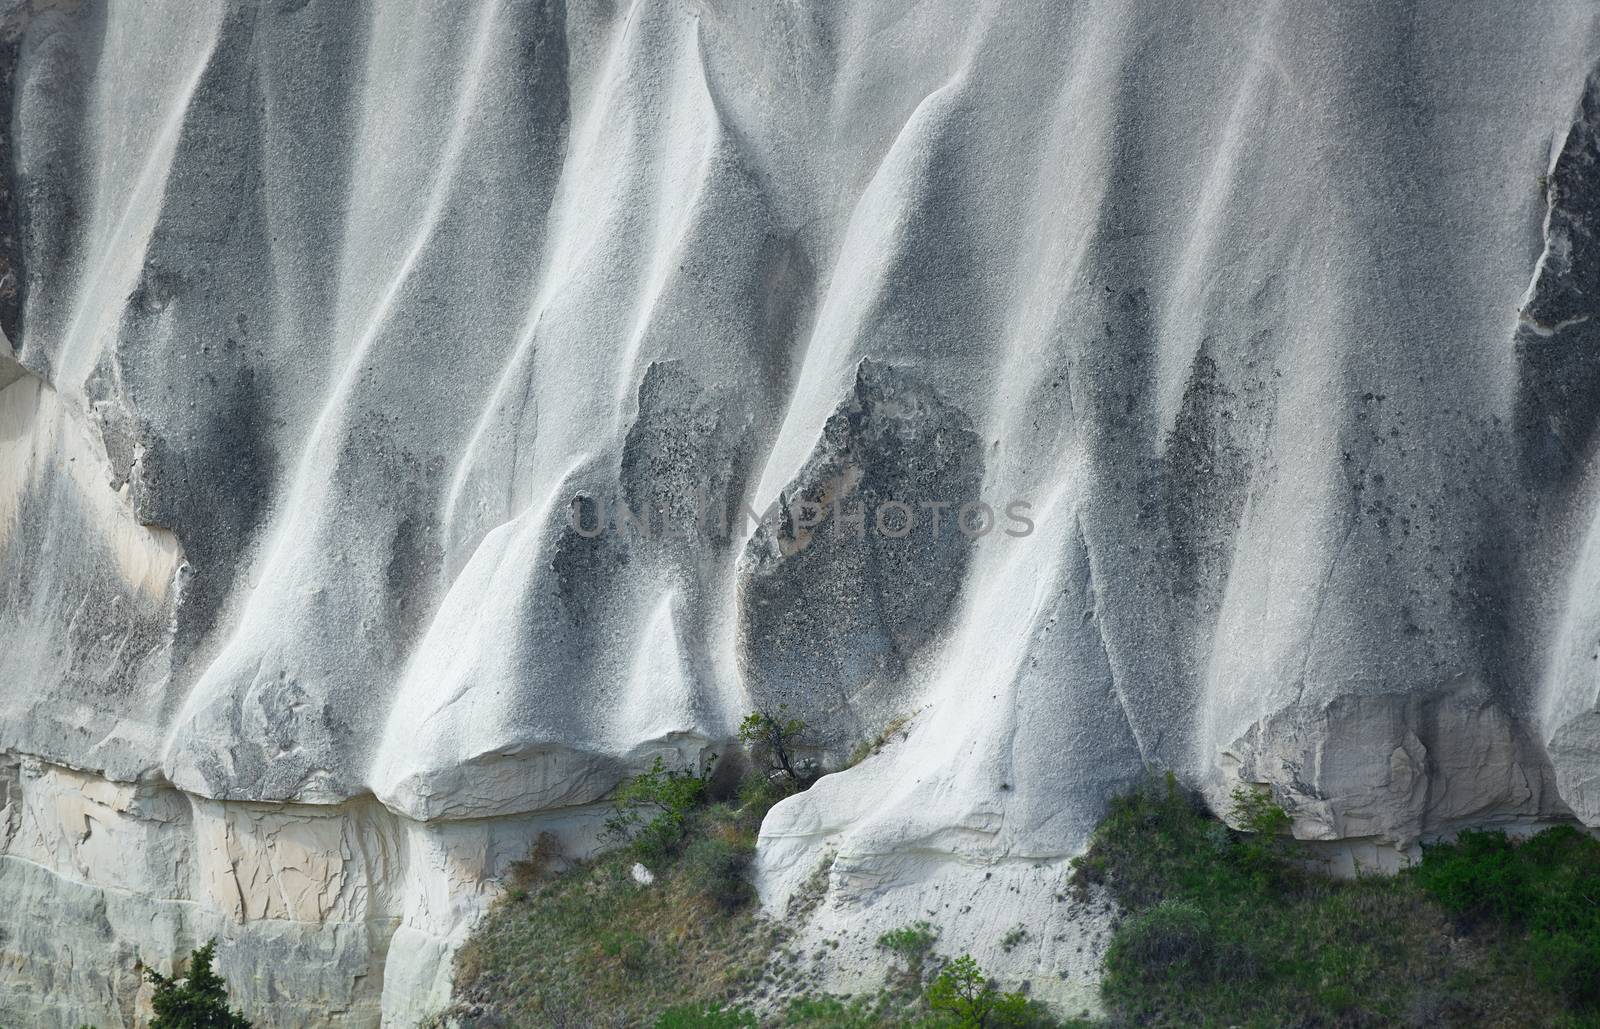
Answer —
959 997
969 1000
911 946
867 748
591 946
651 810
1224 928
912 942
1219 927
197 1001
714 1016
773 741
1015 938
1541 897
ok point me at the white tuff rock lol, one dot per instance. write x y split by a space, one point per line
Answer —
320 315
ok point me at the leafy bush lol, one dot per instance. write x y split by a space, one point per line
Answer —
1151 839
1567 964
1226 928
1477 878
912 944
651 810
197 1001
972 1001
910 941
773 741
717 867
1265 825
961 990
1544 892
759 791
1172 941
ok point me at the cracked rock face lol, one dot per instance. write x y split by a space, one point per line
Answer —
327 327
862 566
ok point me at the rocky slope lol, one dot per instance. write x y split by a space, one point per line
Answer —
327 324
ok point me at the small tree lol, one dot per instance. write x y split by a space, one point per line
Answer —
963 991
651 810
772 741
1266 827
973 1001
911 944
198 1001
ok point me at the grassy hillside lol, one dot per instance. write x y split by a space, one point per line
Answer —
1229 929
1219 928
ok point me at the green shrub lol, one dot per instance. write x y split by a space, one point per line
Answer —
628 948
1476 878
1172 941
759 791
912 944
910 941
1014 939
651 810
773 741
1542 893
197 1001
1265 824
1225 928
715 1016
717 868
1567 964
969 1000
961 990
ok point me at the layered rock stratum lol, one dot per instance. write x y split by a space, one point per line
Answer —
322 318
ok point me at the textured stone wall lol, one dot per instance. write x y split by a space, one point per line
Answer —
321 317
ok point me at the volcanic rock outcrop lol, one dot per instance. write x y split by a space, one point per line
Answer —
415 416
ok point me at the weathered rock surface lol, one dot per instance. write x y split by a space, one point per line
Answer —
325 324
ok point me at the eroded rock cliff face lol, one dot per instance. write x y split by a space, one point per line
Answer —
1263 331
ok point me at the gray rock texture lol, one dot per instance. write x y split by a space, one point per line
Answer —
1265 332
